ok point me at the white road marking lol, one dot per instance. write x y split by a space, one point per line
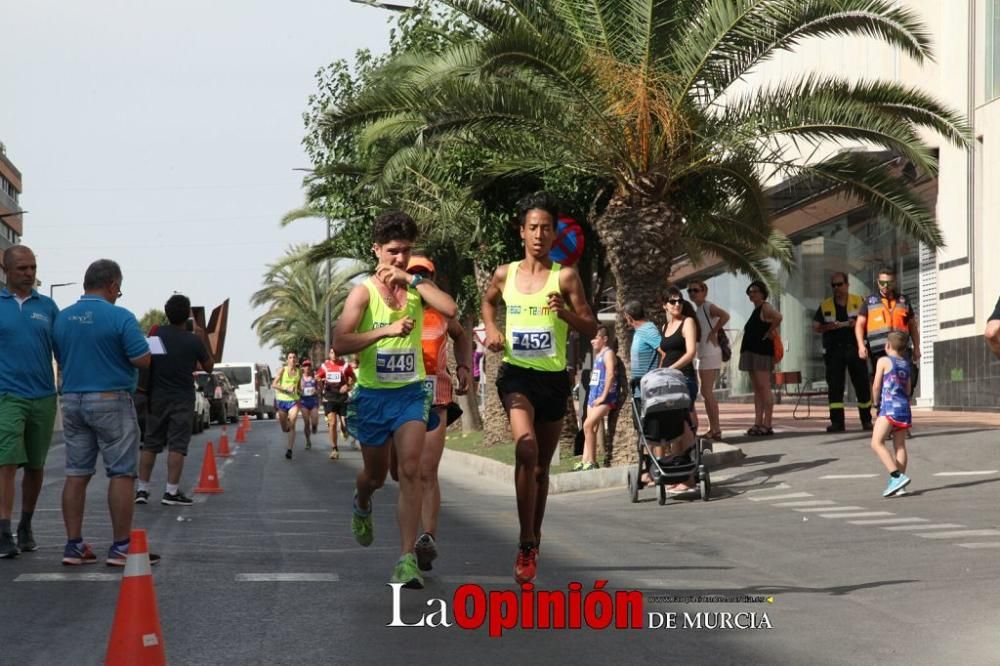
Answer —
805 503
939 526
978 472
863 514
777 497
780 486
961 534
888 521
60 577
849 476
991 544
832 508
287 577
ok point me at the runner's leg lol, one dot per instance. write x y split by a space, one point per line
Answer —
521 414
293 415
430 459
548 440
409 443
372 474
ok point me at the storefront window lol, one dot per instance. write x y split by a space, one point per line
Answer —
857 244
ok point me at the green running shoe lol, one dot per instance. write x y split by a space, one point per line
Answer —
361 523
407 573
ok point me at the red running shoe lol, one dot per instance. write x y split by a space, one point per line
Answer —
526 566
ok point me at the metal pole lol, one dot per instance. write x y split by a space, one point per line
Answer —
326 329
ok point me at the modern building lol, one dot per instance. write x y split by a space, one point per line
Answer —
954 287
11 225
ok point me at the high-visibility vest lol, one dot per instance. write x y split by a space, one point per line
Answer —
885 316
829 308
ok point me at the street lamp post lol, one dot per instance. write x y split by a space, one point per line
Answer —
326 317
397 6
58 284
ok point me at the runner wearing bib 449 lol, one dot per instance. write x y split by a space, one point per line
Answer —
382 322
543 300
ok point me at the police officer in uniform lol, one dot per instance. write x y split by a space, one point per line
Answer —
882 313
835 319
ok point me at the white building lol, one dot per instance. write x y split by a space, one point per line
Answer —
955 287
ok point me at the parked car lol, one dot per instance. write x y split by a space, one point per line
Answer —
221 397
253 387
202 412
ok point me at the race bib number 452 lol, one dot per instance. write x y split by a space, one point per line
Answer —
532 343
396 365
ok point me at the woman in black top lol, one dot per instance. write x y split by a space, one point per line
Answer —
757 356
677 350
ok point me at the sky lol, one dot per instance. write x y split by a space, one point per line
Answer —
166 136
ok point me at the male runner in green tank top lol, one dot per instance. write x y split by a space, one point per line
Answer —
382 323
533 383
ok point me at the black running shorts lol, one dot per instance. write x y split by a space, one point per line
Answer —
336 406
546 391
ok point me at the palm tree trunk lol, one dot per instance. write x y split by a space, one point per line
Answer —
641 239
496 429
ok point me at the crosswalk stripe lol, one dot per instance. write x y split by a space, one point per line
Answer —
960 534
777 497
805 503
780 486
863 514
59 577
287 577
989 544
978 472
888 521
849 476
831 508
939 526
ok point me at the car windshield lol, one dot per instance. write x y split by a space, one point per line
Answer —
239 375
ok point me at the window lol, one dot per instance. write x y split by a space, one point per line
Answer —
992 49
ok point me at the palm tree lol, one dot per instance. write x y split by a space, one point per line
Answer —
295 293
644 97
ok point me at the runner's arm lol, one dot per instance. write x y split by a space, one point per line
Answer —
463 355
346 339
276 382
494 292
437 299
578 315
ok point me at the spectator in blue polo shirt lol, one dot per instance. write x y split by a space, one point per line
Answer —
99 346
27 394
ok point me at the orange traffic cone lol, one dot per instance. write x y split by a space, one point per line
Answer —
240 435
224 446
209 482
136 637
246 422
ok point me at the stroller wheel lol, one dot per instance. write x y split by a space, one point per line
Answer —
633 485
705 486
663 493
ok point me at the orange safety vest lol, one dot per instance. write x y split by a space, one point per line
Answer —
884 316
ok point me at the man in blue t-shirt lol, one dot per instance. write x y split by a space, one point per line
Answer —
27 394
645 340
99 346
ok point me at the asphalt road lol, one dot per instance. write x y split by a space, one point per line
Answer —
920 587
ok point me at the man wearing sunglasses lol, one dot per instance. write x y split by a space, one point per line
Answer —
835 319
883 313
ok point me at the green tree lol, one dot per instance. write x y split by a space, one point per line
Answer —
295 294
153 317
643 99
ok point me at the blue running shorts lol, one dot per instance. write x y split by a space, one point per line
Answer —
373 415
285 405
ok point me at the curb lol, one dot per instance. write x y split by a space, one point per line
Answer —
567 482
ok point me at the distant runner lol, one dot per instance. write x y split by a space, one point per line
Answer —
309 402
286 395
533 383
382 321
337 378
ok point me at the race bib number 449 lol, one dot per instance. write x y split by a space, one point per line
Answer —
396 365
532 343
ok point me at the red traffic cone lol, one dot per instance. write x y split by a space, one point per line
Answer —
136 637
224 446
246 422
240 435
209 482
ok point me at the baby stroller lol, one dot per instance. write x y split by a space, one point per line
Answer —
661 411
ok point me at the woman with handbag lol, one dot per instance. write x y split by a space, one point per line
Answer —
757 356
713 351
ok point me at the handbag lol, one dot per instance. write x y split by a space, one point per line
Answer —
779 348
724 346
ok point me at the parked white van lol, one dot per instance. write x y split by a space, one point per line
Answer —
253 387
